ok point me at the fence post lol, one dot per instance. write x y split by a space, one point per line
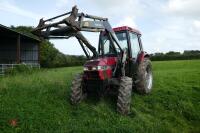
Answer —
2 70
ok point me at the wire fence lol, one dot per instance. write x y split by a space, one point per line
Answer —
3 67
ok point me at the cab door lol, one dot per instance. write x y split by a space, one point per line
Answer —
135 48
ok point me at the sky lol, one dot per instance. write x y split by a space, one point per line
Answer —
166 25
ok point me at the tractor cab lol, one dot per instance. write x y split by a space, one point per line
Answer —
129 40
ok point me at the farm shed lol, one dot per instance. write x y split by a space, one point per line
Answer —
17 48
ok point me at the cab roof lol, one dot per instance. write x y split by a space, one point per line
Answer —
122 28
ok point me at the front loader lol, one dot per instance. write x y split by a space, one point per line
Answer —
119 64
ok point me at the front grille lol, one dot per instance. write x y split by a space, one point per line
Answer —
91 74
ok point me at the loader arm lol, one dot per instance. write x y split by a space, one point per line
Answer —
72 26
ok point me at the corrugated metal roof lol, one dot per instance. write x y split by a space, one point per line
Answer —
16 32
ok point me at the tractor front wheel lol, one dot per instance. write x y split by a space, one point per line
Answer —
124 95
77 89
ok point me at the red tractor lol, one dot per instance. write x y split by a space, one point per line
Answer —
119 64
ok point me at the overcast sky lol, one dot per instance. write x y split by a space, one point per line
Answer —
166 25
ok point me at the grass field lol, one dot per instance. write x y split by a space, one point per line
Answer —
39 102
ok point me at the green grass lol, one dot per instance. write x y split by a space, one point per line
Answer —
39 102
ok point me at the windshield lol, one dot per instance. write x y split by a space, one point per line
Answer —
122 39
107 48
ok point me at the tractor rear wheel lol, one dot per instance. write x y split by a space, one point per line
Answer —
144 77
77 89
124 95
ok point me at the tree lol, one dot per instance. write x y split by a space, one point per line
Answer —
48 54
172 53
191 52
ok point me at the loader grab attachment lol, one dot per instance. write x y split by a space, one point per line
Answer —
72 26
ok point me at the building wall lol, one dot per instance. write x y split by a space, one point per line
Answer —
29 51
8 51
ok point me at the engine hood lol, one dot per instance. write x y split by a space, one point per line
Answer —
106 61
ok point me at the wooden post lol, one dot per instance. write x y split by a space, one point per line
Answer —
39 54
18 49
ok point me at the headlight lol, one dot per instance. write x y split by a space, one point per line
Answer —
90 68
96 68
101 67
85 69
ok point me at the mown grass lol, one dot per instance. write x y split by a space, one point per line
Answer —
39 102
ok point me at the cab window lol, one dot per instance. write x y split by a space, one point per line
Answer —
122 40
107 46
135 46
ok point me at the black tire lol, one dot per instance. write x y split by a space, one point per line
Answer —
144 77
77 89
124 95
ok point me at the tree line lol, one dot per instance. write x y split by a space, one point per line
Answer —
186 55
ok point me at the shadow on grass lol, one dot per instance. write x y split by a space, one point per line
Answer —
109 99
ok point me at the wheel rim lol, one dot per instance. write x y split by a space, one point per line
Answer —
149 79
